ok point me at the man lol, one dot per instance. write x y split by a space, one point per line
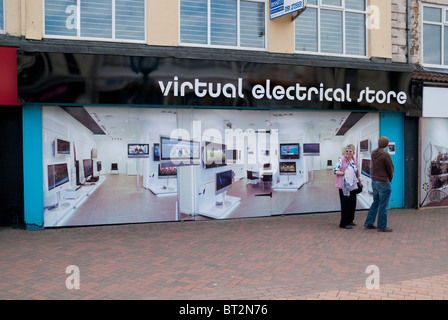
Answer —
382 171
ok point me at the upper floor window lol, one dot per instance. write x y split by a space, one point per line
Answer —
435 36
104 20
223 23
336 27
2 16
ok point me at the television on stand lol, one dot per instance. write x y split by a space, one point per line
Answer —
366 167
289 151
57 175
288 168
167 173
311 149
223 182
88 170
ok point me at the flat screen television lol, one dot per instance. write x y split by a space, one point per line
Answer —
288 168
57 175
365 167
138 150
289 151
364 145
62 147
167 172
311 149
172 149
223 181
214 155
156 155
88 167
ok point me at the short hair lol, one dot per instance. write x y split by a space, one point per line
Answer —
383 142
349 146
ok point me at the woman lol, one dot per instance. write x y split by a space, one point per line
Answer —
347 176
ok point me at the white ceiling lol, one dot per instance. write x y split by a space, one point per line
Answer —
125 122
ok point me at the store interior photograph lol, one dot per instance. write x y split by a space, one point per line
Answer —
111 165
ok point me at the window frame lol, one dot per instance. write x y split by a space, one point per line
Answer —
238 33
342 9
442 25
78 36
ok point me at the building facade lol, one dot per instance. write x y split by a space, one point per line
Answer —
143 111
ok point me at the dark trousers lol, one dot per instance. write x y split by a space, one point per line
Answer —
348 207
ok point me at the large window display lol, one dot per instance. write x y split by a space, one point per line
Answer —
110 165
433 163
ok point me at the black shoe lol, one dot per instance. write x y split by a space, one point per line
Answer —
352 224
346 227
385 230
370 227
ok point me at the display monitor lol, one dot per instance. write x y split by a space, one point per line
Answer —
88 167
167 172
156 155
62 147
57 175
214 155
288 168
138 150
172 149
289 151
364 145
311 149
366 168
223 181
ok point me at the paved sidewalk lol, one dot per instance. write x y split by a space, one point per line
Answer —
285 257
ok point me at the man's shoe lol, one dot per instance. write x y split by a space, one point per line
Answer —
385 230
370 227
352 224
347 227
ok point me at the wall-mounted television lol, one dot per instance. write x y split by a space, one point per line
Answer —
289 151
364 145
156 155
57 175
172 149
223 181
288 168
138 150
61 147
214 155
167 172
365 167
311 149
88 167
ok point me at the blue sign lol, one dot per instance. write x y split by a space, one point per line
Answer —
279 8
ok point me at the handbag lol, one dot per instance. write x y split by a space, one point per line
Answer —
359 190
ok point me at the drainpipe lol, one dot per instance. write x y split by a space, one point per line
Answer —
408 26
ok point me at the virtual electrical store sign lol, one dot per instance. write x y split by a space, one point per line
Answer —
279 8
297 92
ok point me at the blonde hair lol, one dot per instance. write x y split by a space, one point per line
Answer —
349 146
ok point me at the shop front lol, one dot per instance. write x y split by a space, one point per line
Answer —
125 139
433 146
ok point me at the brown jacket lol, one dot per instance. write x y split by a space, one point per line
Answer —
382 166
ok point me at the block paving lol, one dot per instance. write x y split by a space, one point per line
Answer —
292 257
